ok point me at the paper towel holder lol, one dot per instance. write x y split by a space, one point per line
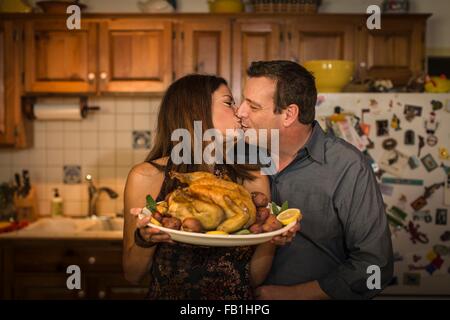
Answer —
29 102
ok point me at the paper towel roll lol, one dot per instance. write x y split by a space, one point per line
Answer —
58 110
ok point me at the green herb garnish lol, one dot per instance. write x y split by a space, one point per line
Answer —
151 203
284 206
242 232
275 209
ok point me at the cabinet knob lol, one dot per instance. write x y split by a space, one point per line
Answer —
101 294
103 75
91 76
91 260
81 294
362 64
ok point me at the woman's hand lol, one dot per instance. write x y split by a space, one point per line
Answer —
151 235
287 236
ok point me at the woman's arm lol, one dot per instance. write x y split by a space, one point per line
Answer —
262 258
142 180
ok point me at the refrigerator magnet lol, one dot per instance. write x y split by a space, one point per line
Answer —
441 216
421 145
436 105
443 154
411 279
413 162
410 137
432 140
429 162
395 123
382 128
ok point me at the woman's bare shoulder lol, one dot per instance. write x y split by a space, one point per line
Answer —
145 169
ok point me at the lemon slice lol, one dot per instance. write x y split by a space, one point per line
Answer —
288 216
155 222
217 232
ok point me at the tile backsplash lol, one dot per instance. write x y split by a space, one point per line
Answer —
103 145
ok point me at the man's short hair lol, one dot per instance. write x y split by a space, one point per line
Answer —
294 85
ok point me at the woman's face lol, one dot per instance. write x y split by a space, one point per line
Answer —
223 110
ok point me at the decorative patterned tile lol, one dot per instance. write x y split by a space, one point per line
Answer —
72 174
141 139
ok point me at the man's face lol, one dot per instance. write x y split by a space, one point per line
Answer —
257 107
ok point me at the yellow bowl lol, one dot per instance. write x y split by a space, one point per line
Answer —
437 85
331 75
225 6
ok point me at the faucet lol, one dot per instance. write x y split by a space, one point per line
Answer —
94 194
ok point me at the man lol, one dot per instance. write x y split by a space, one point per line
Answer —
344 227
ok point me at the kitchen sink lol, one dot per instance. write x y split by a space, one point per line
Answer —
74 225
108 224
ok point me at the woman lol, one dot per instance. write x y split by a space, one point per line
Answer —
181 271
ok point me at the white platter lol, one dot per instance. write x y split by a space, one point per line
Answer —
219 240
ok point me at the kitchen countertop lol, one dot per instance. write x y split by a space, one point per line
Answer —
70 229
100 235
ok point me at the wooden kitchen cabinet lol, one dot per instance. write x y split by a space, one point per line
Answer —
58 60
135 55
36 269
127 53
396 51
253 40
204 46
15 130
45 287
320 38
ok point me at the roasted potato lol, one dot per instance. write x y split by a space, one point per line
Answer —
162 207
256 228
171 223
260 199
262 214
158 217
271 224
191 225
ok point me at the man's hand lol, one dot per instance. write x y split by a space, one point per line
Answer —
275 293
287 236
305 291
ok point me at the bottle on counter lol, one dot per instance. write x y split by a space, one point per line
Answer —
57 209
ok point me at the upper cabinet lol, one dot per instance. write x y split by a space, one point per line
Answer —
145 53
59 60
253 40
15 131
118 55
204 46
135 55
396 51
319 38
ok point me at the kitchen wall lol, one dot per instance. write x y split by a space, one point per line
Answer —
102 145
438 41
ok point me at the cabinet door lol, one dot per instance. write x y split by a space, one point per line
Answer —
15 131
204 47
252 41
310 38
6 114
60 60
396 51
46 287
114 287
135 55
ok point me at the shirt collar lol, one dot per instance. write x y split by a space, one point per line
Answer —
315 146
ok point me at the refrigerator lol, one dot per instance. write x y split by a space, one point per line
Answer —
406 137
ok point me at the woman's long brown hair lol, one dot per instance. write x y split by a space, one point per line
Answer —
187 100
